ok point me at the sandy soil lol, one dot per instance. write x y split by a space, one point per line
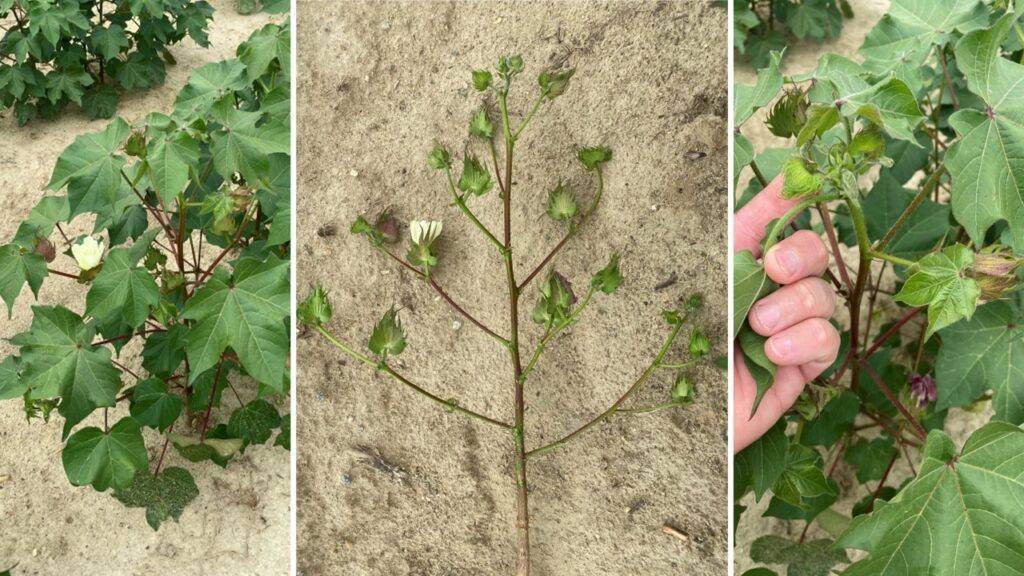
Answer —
378 85
802 57
239 524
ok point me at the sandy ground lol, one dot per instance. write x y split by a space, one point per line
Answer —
239 524
802 57
378 85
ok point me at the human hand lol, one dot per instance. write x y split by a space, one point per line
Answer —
801 342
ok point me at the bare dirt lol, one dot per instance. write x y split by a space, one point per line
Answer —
239 523
379 83
803 57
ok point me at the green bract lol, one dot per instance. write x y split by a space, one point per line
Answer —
73 51
188 252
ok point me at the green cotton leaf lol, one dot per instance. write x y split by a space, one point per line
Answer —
170 153
763 462
69 83
760 367
108 459
871 457
254 423
820 119
246 312
480 125
833 422
132 73
266 45
984 164
163 496
284 438
143 8
59 360
954 517
813 19
108 41
207 85
911 27
811 507
802 477
921 232
743 155
42 220
609 278
123 290
798 179
890 105
91 168
939 281
388 336
243 145
56 19
17 268
153 406
811 558
475 177
750 284
984 353
164 351
749 98
11 383
217 450
100 101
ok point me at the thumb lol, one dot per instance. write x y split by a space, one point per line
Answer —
750 222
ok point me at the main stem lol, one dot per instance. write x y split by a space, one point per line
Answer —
522 496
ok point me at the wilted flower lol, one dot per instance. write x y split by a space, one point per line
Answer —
922 389
45 249
387 226
424 232
88 253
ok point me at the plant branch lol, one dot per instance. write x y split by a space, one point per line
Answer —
926 189
461 203
529 116
64 274
573 229
618 403
447 298
550 335
383 367
213 395
917 428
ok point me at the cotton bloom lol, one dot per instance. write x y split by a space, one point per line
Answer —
88 253
922 389
424 232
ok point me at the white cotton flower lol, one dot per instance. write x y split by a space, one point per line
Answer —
424 232
88 253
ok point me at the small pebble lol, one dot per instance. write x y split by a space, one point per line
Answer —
353 173
346 479
456 325
654 207
385 25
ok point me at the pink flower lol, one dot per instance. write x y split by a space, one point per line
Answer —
922 389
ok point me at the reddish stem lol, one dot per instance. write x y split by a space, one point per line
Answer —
167 441
209 408
918 429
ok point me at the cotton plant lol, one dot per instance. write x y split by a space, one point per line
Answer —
559 302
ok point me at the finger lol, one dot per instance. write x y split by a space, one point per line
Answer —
801 255
813 340
812 370
789 382
751 220
791 305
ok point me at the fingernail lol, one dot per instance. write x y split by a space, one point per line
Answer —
788 260
782 345
767 314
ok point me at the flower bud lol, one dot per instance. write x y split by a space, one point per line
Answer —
438 158
684 389
561 203
699 345
554 84
593 157
316 308
480 126
88 253
481 80
995 263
